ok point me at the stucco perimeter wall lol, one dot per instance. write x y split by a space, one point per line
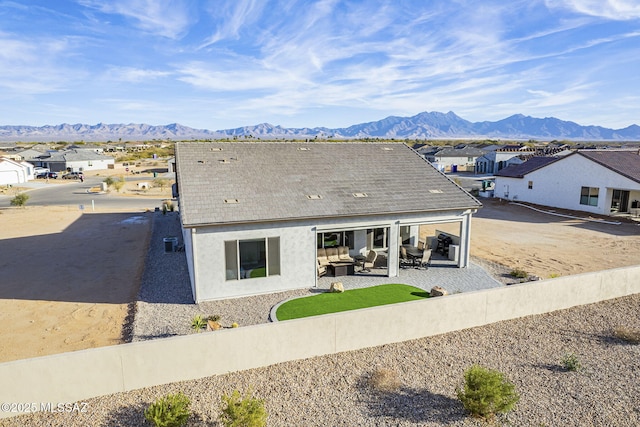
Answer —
80 375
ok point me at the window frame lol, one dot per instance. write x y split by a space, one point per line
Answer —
233 258
589 196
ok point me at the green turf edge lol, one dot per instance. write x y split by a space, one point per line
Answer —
354 299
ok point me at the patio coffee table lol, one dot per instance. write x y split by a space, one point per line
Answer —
344 269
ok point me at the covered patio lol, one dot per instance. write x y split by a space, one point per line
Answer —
441 272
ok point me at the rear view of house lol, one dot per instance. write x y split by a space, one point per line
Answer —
254 215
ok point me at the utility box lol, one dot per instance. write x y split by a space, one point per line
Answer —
170 244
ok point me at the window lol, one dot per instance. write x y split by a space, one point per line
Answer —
332 239
248 259
589 196
377 238
530 186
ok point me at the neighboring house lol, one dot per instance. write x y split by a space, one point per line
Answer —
494 161
449 159
13 172
596 181
27 154
94 148
74 160
254 214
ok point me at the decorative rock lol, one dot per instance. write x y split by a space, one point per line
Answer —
437 291
336 287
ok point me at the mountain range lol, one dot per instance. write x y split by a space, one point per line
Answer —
426 125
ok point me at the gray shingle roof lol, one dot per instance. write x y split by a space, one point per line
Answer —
273 181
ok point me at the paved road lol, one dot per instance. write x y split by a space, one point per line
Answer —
70 192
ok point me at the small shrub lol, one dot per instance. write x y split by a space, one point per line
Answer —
486 392
198 323
214 318
234 325
239 411
519 273
570 362
169 411
629 335
109 181
385 380
20 199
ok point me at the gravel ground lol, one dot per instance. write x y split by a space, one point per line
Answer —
334 390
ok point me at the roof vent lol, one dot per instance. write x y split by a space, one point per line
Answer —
314 196
436 191
358 195
304 149
231 201
215 149
202 161
387 149
223 161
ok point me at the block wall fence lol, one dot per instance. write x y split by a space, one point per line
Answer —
80 375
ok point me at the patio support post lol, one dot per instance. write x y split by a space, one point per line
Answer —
465 240
393 255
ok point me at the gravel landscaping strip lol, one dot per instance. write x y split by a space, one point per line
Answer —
334 390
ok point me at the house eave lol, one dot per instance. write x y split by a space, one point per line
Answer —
463 209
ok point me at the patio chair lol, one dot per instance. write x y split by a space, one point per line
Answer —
322 257
426 258
343 254
404 258
369 261
322 269
332 254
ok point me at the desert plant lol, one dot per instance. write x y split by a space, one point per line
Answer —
385 380
19 199
234 325
118 184
242 411
109 181
486 392
570 362
629 335
519 273
198 323
160 182
169 411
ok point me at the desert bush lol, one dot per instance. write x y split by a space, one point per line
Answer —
570 362
19 199
242 411
486 392
198 323
109 181
169 411
385 380
629 335
118 184
519 273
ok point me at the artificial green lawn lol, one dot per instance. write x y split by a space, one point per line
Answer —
354 299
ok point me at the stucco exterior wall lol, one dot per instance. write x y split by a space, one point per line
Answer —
558 184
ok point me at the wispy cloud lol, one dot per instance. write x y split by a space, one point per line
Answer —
168 18
620 10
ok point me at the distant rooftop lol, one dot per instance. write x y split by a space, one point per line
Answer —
238 182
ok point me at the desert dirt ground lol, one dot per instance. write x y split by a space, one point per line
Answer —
68 278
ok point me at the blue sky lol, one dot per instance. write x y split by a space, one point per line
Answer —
220 64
